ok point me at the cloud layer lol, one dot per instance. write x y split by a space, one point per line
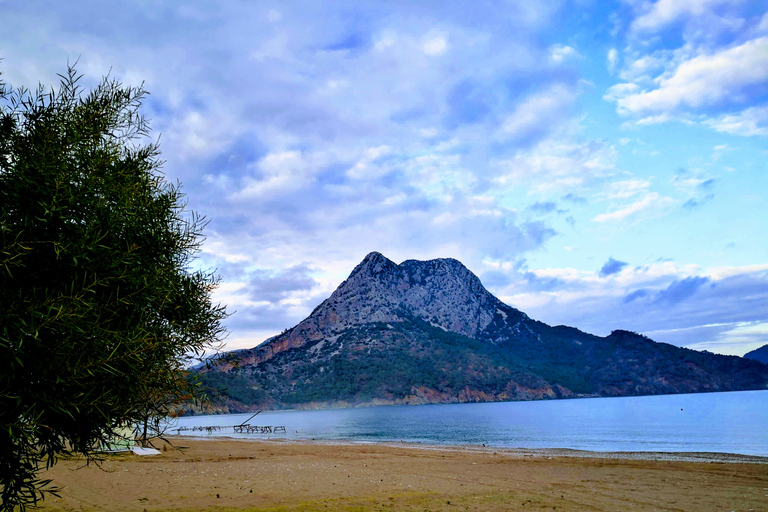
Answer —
595 164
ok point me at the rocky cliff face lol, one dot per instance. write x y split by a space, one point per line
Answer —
442 292
429 332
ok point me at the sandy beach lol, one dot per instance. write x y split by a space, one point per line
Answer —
239 475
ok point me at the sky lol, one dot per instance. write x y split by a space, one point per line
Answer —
597 164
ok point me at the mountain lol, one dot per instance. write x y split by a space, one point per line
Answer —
429 332
759 354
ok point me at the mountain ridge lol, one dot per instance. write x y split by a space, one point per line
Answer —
429 332
759 354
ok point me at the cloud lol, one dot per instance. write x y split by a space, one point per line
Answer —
543 207
349 42
612 58
696 184
279 172
612 266
273 286
652 204
727 77
533 117
495 278
664 12
620 91
435 46
642 68
692 180
366 166
542 283
312 133
680 290
560 52
627 188
736 338
570 196
637 294
749 122
695 203
553 165
679 304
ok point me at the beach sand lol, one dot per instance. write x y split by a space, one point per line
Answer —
237 475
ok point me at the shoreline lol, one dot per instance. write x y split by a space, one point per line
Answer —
277 475
512 452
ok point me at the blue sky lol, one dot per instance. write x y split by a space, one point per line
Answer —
597 164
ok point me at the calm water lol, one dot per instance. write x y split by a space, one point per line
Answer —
735 422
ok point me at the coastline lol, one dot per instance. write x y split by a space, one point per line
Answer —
703 457
197 474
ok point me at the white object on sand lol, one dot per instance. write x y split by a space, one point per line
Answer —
138 450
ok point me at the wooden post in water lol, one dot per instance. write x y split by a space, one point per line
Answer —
249 419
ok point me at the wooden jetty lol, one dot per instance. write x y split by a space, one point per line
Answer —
243 428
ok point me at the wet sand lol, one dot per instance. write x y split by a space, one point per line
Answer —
239 475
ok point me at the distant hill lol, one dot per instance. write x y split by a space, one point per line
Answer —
759 354
429 332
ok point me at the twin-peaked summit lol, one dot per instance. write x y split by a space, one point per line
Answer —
428 332
441 292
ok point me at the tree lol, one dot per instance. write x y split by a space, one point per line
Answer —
100 308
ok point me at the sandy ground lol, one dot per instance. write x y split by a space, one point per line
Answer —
239 475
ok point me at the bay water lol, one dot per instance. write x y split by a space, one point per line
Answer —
733 422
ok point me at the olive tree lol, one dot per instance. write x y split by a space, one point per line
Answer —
101 310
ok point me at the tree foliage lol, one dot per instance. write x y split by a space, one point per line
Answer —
100 310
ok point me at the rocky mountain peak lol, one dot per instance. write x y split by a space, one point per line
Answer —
374 263
442 292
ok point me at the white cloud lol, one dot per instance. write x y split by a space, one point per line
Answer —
537 110
663 12
661 118
217 247
435 46
560 52
702 81
366 167
736 338
720 273
193 134
763 25
280 172
748 122
627 188
720 150
620 91
386 40
612 59
689 180
651 204
556 165
642 68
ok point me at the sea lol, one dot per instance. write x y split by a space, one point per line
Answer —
732 422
